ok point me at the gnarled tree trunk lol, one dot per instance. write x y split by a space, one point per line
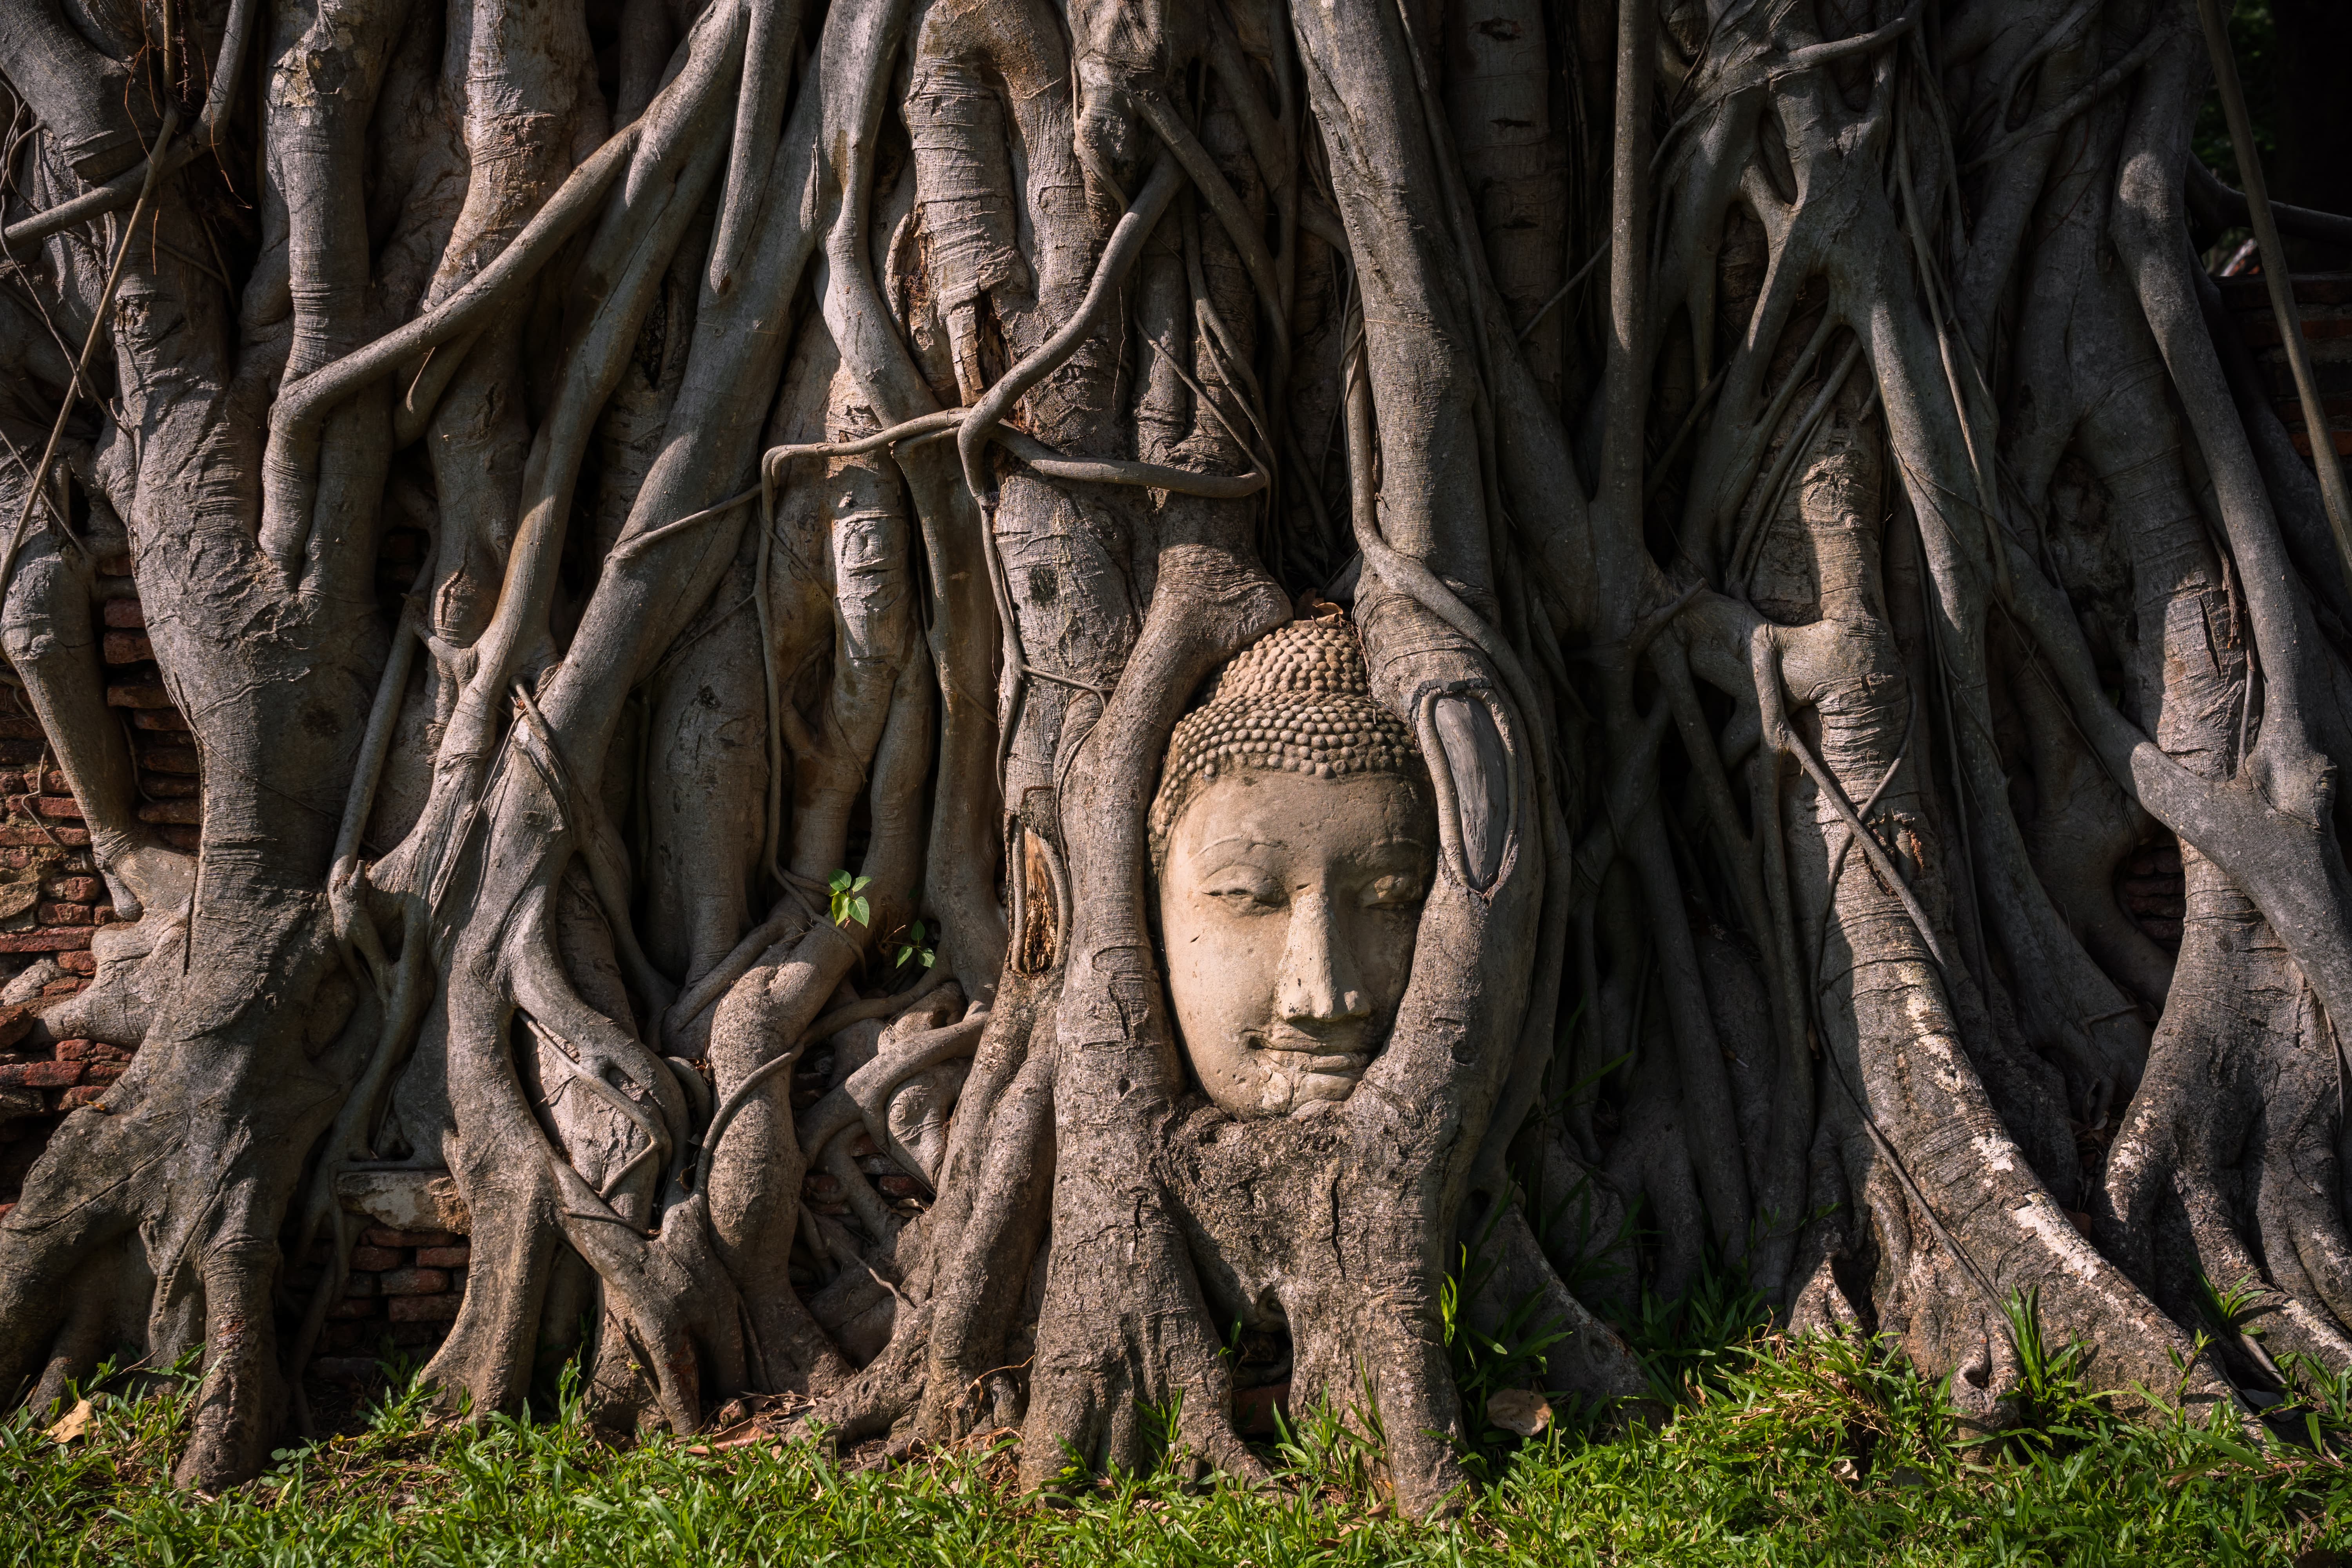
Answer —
1784 468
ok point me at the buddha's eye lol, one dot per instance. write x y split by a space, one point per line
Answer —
1396 890
1244 889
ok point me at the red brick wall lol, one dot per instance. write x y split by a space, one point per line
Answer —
404 1290
404 1286
2324 300
43 843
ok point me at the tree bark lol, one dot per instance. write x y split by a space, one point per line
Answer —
1781 468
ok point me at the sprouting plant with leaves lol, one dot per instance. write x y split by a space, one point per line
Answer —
846 893
913 944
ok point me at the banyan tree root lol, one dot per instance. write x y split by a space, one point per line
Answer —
1788 487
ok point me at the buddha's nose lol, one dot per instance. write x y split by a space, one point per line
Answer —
1322 993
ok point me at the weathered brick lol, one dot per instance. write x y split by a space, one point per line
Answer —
444 1257
16 1023
408 1335
16 1103
125 614
54 941
128 648
16 749
75 890
92 1051
64 807
183 839
384 1235
861 1145
372 1260
39 834
163 759
138 694
66 987
362 1285
80 1095
414 1281
21 727
171 811
65 915
41 1074
77 964
165 786
104 1072
441 1309
50 782
158 719
353 1307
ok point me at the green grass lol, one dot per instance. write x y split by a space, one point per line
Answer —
1804 1451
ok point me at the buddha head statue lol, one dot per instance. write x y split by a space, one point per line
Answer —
1293 840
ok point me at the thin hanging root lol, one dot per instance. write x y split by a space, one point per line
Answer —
1764 652
607 863
302 406
166 159
625 1261
1800 442
1035 454
1121 253
759 121
37 490
1247 238
1412 577
2159 33
866 1096
781 923
596 1043
2278 277
353 929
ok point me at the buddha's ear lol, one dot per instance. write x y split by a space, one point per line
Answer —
1464 729
1450 690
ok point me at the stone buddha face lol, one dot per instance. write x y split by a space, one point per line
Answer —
1294 839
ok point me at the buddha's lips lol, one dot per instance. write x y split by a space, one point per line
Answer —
1310 1057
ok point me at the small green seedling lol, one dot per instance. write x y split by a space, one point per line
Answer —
847 905
916 946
